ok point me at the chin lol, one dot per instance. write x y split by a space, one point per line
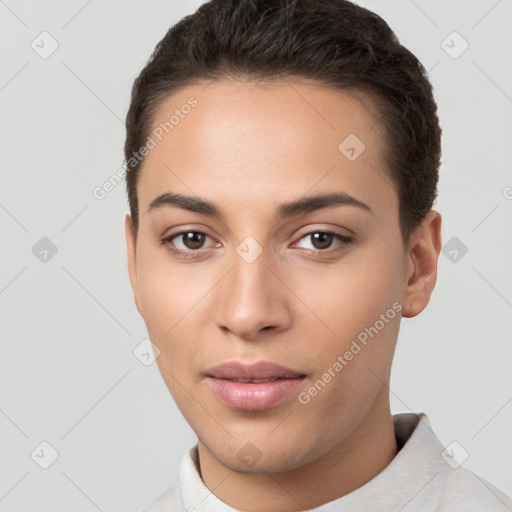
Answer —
261 456
273 463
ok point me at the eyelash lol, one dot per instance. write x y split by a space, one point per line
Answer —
167 243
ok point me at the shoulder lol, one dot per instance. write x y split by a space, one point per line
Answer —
426 476
463 488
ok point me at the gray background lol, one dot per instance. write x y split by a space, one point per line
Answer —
68 374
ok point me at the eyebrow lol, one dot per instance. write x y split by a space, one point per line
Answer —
285 210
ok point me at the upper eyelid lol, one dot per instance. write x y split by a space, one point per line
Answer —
343 239
327 230
180 233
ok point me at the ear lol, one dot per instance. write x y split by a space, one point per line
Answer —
131 244
421 259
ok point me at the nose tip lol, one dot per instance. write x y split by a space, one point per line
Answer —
245 328
252 301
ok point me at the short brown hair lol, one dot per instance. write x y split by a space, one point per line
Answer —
334 42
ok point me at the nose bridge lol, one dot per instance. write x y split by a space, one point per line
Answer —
251 298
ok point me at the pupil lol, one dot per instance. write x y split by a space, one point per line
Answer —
324 240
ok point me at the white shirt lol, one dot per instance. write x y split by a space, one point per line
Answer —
419 478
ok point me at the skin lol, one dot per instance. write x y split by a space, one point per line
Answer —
248 147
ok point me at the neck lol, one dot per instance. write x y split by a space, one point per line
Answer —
350 464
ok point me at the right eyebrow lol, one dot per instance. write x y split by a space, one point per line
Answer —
190 203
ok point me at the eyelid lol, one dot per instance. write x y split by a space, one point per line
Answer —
333 230
344 242
171 237
299 236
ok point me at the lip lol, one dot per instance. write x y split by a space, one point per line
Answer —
224 379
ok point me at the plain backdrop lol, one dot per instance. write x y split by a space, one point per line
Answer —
112 436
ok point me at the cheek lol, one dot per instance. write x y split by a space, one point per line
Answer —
167 299
167 292
359 308
351 295
358 305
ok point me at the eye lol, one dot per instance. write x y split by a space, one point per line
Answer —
321 241
186 243
191 239
189 244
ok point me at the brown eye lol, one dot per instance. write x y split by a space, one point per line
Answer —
187 244
193 239
325 241
321 240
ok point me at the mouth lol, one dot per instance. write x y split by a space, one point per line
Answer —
253 387
255 381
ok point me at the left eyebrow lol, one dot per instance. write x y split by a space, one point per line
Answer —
285 210
313 203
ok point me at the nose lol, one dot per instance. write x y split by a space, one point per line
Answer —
252 299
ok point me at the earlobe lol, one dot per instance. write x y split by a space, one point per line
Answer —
422 258
131 256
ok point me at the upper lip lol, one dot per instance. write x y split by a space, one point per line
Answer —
259 370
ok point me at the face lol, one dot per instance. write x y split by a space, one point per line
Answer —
302 296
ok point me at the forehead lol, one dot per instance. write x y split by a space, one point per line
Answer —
253 141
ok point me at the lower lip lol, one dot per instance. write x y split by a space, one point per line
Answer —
247 396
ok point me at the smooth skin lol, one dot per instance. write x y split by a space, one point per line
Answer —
249 147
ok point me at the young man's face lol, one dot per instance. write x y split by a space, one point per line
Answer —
264 287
